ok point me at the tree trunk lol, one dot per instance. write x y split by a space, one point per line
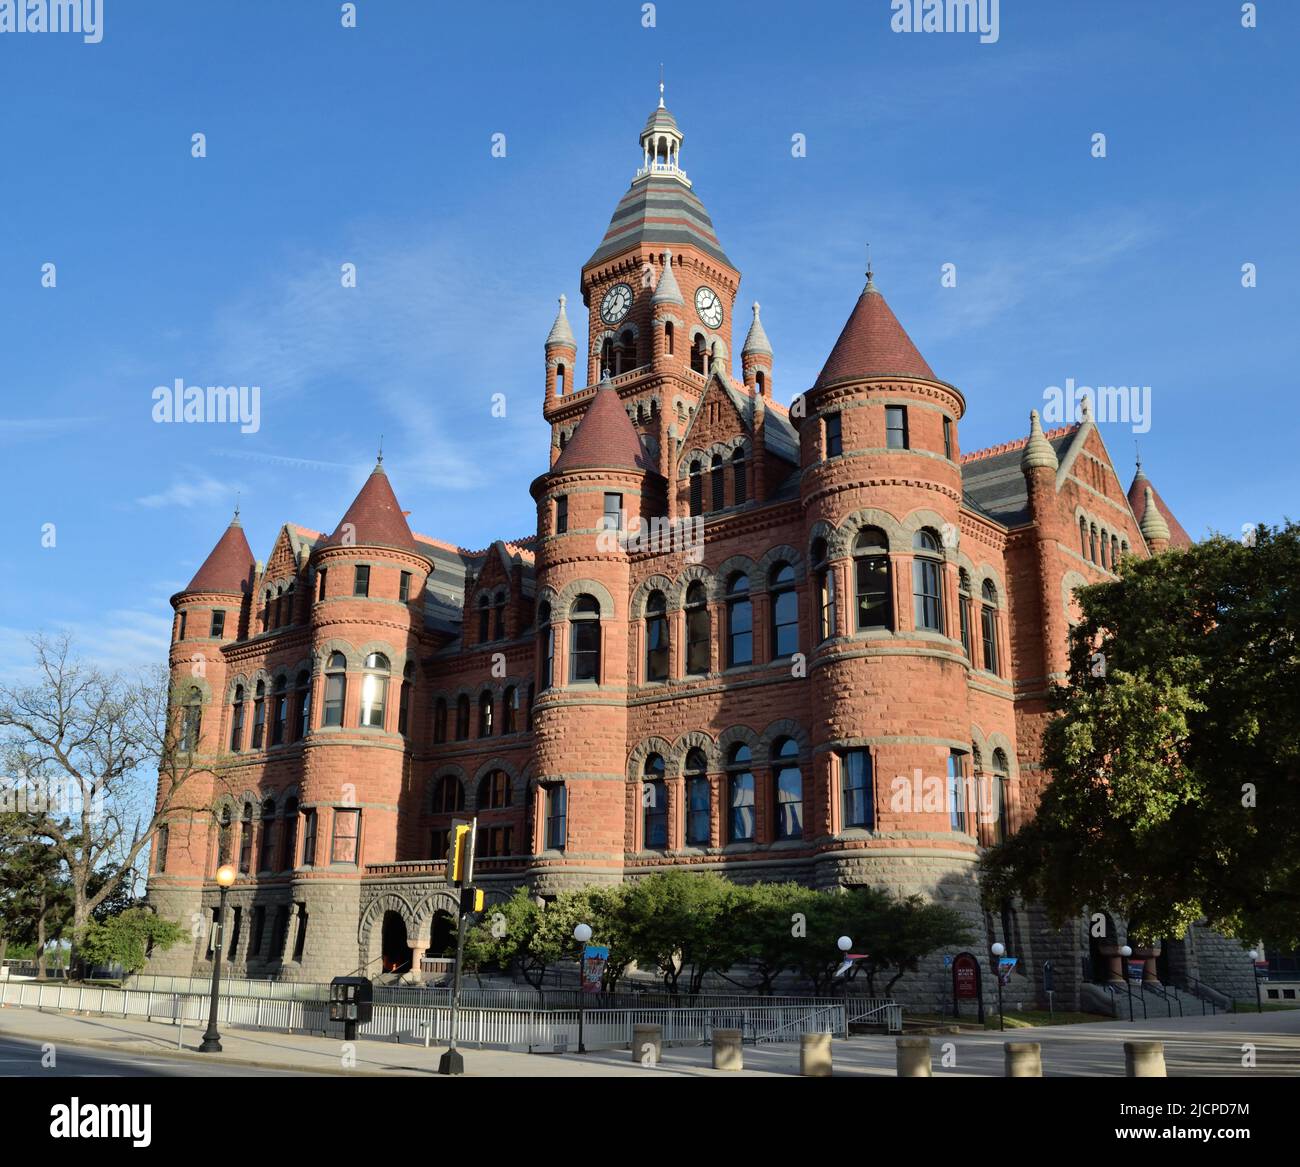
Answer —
80 921
40 942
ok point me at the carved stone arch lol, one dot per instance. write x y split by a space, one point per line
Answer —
598 340
1000 741
785 727
548 595
302 665
518 789
1070 581
728 568
642 750
986 571
783 553
426 910
898 534
695 739
978 740
388 902
234 684
684 461
290 791
327 648
396 657
263 675
729 737
432 783
822 530
696 571
655 583
577 587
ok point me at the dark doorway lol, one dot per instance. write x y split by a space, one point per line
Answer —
396 951
442 941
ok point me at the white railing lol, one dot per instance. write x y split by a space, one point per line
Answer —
876 1011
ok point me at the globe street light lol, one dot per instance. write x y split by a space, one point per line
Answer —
1254 956
211 1043
1125 952
998 948
582 933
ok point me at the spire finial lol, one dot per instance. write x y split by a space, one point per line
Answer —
235 521
563 300
380 460
661 85
1138 454
870 282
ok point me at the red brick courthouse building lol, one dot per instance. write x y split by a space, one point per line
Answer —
807 642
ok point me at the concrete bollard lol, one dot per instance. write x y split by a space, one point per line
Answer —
913 1057
647 1044
815 1055
728 1050
1024 1059
1144 1059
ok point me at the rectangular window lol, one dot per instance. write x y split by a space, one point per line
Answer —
335 692
561 514
492 842
361 580
856 790
826 603
320 583
834 440
404 587
279 932
947 438
300 944
218 624
236 918
347 826
958 805
697 640
180 632
963 602
928 602
556 815
259 927
613 517
697 824
160 841
896 427
740 826
439 841
279 707
309 838
989 630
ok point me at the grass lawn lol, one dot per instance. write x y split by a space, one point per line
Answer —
1028 1019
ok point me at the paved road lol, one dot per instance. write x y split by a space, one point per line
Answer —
22 1059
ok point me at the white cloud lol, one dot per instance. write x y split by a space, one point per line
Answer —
189 492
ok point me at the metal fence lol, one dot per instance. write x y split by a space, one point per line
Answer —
505 1028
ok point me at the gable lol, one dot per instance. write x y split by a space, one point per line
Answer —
722 420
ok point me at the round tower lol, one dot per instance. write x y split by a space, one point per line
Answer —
598 488
756 357
882 491
561 353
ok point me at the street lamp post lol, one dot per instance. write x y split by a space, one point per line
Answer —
844 943
582 933
1254 956
1125 952
211 1038
998 949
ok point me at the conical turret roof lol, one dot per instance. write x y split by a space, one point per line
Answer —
561 333
375 518
873 344
604 438
666 290
229 565
1137 499
756 340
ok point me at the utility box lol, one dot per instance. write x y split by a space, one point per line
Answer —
351 1000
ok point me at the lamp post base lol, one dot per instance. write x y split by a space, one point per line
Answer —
451 1063
211 1044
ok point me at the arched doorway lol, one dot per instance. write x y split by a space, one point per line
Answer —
396 951
442 936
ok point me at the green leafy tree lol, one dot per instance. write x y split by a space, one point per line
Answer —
1175 758
127 938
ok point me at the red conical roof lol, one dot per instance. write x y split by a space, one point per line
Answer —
228 567
375 518
604 438
1137 499
873 344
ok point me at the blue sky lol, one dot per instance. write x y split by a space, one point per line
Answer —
373 146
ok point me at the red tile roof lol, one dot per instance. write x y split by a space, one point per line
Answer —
604 438
375 517
873 344
1137 499
228 567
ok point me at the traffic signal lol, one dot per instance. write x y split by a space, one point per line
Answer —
459 853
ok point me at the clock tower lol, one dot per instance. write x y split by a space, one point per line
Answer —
660 295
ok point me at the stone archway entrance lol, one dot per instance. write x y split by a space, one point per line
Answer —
442 937
395 950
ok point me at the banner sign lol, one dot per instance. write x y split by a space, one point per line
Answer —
965 977
594 959
1135 970
1005 965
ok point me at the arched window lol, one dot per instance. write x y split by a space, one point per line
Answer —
494 791
440 720
404 699
277 617
192 720
1114 552
266 852
246 840
485 705
1001 780
320 582
259 715
964 603
740 621
857 791
698 814
265 613
927 575
784 603
237 721
279 709
302 704
740 795
1123 547
499 620
989 624
697 489
374 691
668 338
1092 543
289 835
462 718
656 637
288 603
717 483
449 796
698 632
738 487
510 710
871 573
559 380
654 805
627 354
760 382
484 614
1105 546
1083 537
787 785
584 642
336 689
699 355
825 578
958 802
546 635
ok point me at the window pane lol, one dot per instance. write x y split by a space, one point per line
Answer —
740 632
346 823
741 788
656 633
697 825
785 624
654 801
855 783
874 606
789 803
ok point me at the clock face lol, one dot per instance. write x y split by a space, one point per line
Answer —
616 304
708 306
